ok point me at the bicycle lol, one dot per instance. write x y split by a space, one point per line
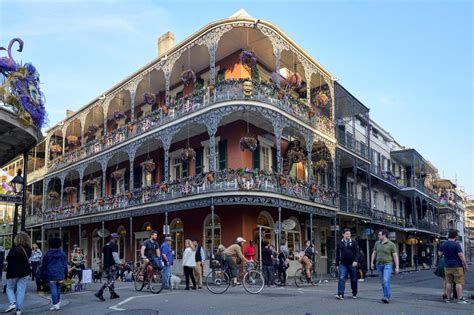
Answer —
219 280
151 278
333 271
278 277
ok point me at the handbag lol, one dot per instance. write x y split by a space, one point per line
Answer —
439 271
157 263
26 256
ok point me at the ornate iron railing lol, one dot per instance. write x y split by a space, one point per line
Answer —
387 218
227 90
221 181
356 206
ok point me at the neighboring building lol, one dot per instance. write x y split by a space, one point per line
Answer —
469 227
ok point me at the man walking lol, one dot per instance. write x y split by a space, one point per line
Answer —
200 257
111 260
385 254
454 266
167 255
347 257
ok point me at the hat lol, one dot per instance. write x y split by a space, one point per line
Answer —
168 239
240 240
114 235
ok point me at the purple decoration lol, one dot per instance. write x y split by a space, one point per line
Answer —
8 64
149 98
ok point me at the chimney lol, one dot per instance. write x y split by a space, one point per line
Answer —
165 43
69 113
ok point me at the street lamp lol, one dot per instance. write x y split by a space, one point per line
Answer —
17 183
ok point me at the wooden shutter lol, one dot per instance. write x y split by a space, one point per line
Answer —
185 166
222 154
256 157
162 169
126 180
274 160
199 153
137 177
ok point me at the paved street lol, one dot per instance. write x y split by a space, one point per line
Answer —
413 293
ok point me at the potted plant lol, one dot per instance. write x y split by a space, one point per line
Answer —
165 109
117 174
149 98
188 77
72 140
130 127
100 201
248 59
313 188
248 143
55 149
210 178
321 165
296 154
70 190
53 195
148 165
282 179
294 81
188 154
119 116
322 99
164 187
129 195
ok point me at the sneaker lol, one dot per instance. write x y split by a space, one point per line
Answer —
448 300
385 300
10 308
18 312
361 280
354 296
114 296
339 297
463 301
54 307
99 296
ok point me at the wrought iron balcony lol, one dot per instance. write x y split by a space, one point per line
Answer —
221 181
347 140
355 206
387 218
420 185
386 176
227 90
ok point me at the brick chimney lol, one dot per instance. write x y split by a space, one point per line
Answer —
69 113
165 43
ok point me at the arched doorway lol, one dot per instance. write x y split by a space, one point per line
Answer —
207 232
177 234
265 231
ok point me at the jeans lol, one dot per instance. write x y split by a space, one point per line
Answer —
166 277
385 273
268 272
111 273
19 298
34 267
189 273
55 288
343 271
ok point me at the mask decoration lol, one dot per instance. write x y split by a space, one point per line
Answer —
248 88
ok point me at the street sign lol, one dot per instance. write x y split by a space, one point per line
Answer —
10 198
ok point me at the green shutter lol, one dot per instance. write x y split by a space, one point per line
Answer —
222 155
198 160
185 165
274 160
256 157
162 169
126 183
113 185
137 177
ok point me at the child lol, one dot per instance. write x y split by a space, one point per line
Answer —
54 270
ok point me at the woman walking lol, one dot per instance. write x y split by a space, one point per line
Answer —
189 262
18 270
36 255
54 270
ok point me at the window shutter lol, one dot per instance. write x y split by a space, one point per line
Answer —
222 155
199 153
221 75
256 157
113 186
274 160
126 180
162 169
137 177
185 166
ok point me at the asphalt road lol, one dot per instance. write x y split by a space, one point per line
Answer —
415 293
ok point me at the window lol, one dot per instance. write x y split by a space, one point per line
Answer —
350 188
176 165
293 239
324 252
177 234
121 242
207 155
375 197
364 193
266 160
385 203
208 232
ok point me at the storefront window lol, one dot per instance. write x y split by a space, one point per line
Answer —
121 242
293 239
208 232
177 234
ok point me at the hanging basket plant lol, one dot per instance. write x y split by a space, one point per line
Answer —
282 180
210 178
248 143
90 183
92 130
322 99
321 165
72 140
188 77
278 80
53 195
294 81
119 116
188 154
117 174
70 190
55 148
149 98
130 126
248 59
148 165
164 188
295 155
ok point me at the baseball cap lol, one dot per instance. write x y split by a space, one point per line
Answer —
114 235
240 240
168 239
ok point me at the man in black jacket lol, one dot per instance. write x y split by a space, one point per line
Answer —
347 257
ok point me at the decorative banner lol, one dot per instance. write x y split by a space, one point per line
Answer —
288 224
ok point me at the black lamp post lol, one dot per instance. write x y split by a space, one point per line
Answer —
17 184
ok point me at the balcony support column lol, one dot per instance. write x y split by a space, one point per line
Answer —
62 178
212 227
309 150
166 139
212 125
212 48
64 139
105 110
311 234
167 86
81 178
131 237
278 130
82 118
103 163
132 88
131 151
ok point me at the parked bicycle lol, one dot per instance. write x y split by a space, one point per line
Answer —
219 280
334 271
151 278
301 280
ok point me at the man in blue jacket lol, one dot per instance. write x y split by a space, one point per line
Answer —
347 258
167 256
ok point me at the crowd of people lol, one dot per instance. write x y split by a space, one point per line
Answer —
25 259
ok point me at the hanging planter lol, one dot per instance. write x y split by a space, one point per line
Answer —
130 127
129 195
55 148
72 140
210 178
322 99
101 202
248 143
165 109
90 182
311 112
188 154
70 190
148 166
282 180
313 188
296 155
53 195
294 81
164 187
118 116
321 165
117 174
278 80
149 98
248 59
188 77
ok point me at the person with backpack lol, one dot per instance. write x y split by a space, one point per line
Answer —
53 271
347 259
111 261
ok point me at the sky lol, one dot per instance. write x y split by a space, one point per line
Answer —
410 62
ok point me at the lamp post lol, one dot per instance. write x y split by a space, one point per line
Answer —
17 184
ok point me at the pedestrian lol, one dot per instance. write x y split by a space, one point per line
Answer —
36 255
249 251
189 262
167 257
18 270
200 258
267 264
455 266
362 266
347 259
54 270
403 258
385 255
110 261
283 263
2 261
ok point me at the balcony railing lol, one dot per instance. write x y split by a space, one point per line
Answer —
420 185
386 175
227 90
221 181
348 141
387 218
356 206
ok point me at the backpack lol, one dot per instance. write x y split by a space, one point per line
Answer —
439 271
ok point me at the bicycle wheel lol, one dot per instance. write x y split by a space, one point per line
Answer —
253 282
156 282
138 281
333 271
315 278
300 278
217 281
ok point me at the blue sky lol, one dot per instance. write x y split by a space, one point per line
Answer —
409 61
